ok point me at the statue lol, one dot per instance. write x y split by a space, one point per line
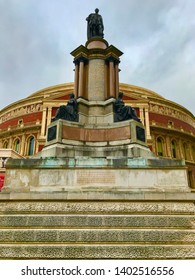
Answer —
95 25
122 112
68 112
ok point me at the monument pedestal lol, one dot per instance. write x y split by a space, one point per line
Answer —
95 112
81 174
70 139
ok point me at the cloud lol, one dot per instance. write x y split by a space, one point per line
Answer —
157 38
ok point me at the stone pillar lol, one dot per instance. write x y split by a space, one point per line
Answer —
10 142
96 80
147 124
98 75
36 145
22 145
168 147
76 79
181 154
111 78
49 115
141 111
43 126
117 80
81 78
106 80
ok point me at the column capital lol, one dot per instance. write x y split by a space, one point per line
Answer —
113 59
80 59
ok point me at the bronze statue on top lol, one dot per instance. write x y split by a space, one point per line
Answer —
95 26
122 112
67 112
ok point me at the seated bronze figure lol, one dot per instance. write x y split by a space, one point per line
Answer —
67 112
122 112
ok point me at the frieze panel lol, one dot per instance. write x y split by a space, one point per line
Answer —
164 110
21 111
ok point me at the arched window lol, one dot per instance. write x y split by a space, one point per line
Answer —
173 148
5 145
160 146
17 145
31 142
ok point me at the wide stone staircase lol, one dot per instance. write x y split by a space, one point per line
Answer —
88 229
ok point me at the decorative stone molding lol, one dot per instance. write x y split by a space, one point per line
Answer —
21 111
166 110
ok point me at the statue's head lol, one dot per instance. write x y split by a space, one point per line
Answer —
72 95
120 95
97 10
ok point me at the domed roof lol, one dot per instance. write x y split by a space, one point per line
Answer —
139 91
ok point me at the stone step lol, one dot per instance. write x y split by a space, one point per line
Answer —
85 229
94 207
96 251
95 221
87 236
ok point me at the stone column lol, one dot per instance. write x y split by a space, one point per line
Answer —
168 147
81 75
112 80
22 145
181 153
43 126
10 142
147 124
117 80
96 80
49 115
36 145
141 110
106 80
76 79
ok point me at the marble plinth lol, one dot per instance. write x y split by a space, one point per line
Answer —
95 174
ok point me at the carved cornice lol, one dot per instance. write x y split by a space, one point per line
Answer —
23 110
171 112
16 130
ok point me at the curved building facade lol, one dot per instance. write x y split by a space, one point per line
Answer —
170 128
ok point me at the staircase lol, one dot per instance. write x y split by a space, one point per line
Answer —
89 229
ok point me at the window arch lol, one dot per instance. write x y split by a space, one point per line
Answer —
160 144
31 144
17 145
174 148
5 145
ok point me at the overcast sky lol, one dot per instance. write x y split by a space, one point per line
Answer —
157 38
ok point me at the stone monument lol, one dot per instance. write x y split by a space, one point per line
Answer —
96 184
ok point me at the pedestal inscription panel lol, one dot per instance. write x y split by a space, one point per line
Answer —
94 177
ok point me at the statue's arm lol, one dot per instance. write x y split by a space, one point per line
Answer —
88 18
102 22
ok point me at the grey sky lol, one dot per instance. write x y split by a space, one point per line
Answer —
157 38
